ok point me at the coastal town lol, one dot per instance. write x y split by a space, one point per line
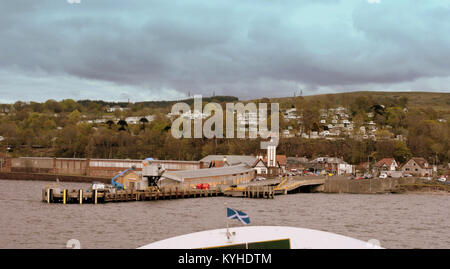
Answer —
260 176
217 175
249 125
111 129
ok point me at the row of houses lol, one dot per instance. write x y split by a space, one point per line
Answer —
336 123
334 165
416 166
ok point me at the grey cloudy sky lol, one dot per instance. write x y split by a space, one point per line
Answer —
163 49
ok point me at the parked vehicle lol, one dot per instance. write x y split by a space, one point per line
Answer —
98 185
427 178
442 179
383 176
204 186
258 179
368 176
395 174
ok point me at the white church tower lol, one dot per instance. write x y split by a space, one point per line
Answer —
271 154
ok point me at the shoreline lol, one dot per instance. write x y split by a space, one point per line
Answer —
433 188
332 185
438 193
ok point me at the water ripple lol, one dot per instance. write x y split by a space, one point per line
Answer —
397 221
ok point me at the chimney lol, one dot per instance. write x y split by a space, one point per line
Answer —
224 159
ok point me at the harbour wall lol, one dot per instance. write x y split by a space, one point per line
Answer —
367 186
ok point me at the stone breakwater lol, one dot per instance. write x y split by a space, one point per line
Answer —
377 185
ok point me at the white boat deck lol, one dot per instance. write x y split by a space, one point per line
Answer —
299 238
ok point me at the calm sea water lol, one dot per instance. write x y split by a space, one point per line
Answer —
397 221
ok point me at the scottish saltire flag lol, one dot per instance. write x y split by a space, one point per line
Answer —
236 214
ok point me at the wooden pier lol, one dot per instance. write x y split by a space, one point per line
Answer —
65 196
266 192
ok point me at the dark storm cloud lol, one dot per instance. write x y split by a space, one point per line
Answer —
163 49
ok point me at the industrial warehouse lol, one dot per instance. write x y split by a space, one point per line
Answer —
221 175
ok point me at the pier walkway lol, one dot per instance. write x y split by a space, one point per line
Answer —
294 185
265 189
65 196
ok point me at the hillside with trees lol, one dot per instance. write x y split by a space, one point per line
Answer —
98 129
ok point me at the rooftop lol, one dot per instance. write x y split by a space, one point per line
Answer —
328 160
231 159
207 172
387 161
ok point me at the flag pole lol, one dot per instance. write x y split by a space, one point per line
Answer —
228 232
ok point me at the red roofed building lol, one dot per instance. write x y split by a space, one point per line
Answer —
261 165
333 165
387 164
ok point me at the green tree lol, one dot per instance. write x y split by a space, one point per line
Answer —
401 152
52 106
74 117
395 117
68 105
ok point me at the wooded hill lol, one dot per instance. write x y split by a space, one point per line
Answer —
60 129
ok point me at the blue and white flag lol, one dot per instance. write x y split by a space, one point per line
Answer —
236 214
